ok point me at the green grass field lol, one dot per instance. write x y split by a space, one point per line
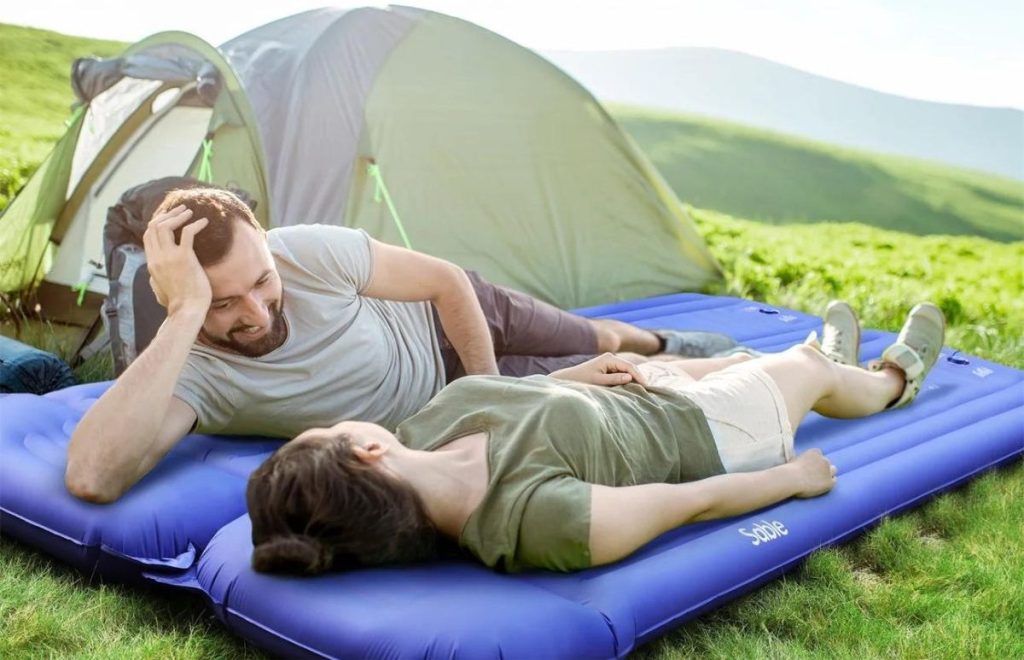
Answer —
780 179
36 95
946 580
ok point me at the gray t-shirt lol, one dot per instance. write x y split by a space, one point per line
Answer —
346 356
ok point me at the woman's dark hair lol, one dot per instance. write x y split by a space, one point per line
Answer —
315 507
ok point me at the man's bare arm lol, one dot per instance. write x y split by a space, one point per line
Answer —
400 274
126 432
135 423
625 518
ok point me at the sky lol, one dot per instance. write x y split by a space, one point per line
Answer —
954 51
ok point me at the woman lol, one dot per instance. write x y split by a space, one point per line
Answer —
579 468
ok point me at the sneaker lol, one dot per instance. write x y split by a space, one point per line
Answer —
694 344
916 349
840 336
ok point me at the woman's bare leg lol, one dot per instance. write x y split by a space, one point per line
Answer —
810 381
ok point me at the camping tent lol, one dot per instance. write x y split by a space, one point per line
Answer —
423 129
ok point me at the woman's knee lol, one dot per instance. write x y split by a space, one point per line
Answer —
808 354
804 377
814 364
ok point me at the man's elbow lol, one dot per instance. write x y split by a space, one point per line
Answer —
90 487
451 280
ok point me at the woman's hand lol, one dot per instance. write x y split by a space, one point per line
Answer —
606 370
816 475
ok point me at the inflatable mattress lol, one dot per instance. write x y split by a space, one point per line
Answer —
184 525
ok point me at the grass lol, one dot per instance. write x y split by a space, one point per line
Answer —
780 179
945 580
50 610
978 283
36 95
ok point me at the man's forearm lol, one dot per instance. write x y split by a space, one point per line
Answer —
465 326
116 434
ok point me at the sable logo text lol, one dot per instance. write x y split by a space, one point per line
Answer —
764 531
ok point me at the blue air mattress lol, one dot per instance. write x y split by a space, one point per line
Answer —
160 524
184 525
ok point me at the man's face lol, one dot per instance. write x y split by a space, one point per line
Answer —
245 314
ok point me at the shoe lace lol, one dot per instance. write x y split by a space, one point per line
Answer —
833 342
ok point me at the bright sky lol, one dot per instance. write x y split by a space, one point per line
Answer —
958 51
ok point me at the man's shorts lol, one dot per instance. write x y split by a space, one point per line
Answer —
530 336
744 408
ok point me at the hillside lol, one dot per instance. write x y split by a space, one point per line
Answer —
35 67
753 91
779 179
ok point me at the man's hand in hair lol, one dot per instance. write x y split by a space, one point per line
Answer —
176 277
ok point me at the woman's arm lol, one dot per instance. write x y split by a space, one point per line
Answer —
622 519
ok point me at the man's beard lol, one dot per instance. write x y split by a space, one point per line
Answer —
274 337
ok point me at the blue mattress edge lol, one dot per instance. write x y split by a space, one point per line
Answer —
1013 451
784 567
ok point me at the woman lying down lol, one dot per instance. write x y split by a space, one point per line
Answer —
579 468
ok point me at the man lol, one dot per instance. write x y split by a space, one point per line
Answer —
272 333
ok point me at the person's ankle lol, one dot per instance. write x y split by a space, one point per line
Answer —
894 371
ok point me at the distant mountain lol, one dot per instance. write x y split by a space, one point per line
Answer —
758 92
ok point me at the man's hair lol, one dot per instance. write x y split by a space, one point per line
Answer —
222 208
318 507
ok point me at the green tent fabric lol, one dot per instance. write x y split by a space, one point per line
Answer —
509 167
27 222
421 128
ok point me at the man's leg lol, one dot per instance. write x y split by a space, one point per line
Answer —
616 336
524 326
525 330
530 337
